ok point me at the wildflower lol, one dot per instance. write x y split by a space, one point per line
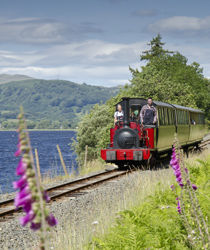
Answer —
179 207
172 187
51 220
194 187
31 197
176 167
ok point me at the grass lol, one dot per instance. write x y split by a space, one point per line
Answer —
55 174
156 224
142 216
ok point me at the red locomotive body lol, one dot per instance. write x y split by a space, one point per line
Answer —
146 137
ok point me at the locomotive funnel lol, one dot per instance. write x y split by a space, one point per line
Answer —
126 121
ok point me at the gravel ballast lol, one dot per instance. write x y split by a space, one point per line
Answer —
79 215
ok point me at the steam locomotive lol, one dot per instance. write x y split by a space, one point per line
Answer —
132 144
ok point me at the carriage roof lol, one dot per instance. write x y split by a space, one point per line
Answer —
142 101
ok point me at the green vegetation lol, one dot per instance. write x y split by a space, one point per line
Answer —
156 224
166 77
49 104
4 78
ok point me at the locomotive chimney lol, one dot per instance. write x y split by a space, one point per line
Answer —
126 122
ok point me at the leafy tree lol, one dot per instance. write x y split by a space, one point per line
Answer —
169 78
156 49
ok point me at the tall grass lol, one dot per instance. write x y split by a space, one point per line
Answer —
56 174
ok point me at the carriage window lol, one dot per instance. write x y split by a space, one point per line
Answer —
201 119
178 116
187 117
194 119
161 117
171 116
165 116
181 116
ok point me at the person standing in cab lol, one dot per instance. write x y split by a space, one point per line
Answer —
119 114
148 114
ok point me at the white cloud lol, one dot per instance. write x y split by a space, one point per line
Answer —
92 61
31 30
180 24
43 31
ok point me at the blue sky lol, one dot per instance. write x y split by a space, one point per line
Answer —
95 41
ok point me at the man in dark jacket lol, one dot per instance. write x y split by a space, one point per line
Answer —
148 114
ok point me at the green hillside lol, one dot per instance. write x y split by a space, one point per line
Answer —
5 78
49 103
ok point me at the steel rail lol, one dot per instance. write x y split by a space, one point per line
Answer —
7 207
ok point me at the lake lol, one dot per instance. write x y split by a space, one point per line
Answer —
45 142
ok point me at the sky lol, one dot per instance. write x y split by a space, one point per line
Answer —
95 41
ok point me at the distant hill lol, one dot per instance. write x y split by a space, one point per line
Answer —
5 78
51 103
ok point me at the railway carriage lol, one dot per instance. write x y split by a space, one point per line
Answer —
132 143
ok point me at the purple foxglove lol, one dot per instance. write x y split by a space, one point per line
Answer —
194 187
46 197
20 183
31 197
27 218
23 192
179 179
18 152
27 207
35 226
178 207
21 168
23 201
177 173
51 220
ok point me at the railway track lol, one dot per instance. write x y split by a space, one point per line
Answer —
7 207
204 144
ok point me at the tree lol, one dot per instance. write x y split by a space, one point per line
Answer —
169 78
156 49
